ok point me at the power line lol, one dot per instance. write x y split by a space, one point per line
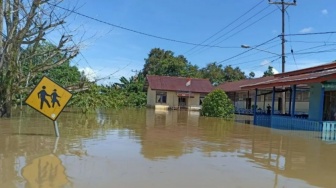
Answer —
312 42
315 52
318 33
87 62
135 31
254 60
257 52
256 66
319 46
226 26
265 16
289 28
232 57
283 9
238 27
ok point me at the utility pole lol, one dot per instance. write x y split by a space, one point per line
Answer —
284 6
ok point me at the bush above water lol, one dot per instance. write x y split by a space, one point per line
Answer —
217 104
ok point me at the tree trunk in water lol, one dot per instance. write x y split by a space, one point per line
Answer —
6 93
8 106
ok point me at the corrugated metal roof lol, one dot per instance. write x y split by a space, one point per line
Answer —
309 78
236 85
170 83
318 68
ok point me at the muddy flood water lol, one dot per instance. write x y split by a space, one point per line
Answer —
143 148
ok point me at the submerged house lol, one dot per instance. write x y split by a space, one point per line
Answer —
243 99
321 83
167 92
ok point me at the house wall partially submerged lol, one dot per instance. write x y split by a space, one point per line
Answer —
171 92
240 98
192 102
315 102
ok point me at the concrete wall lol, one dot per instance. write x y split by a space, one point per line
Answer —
315 102
172 100
300 107
151 97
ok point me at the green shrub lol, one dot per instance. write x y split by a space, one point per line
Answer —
217 104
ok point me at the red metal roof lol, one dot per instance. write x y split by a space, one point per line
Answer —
319 68
170 83
308 78
236 85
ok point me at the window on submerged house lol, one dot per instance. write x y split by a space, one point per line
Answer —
161 97
329 110
201 99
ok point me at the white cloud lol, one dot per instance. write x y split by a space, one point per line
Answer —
324 11
89 73
265 62
275 71
110 70
306 30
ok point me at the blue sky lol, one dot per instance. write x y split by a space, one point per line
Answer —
113 52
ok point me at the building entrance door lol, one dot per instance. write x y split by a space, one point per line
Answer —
182 101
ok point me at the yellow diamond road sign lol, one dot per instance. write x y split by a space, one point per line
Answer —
48 98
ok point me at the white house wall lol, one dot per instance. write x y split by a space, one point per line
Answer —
151 97
172 100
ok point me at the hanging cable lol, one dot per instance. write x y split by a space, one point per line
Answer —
231 23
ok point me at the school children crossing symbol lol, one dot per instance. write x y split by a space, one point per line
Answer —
48 98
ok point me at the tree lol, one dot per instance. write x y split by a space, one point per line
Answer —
269 72
128 93
90 99
217 74
251 75
214 72
24 25
233 74
164 63
65 74
133 90
217 104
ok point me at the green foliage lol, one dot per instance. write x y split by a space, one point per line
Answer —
129 93
251 75
63 74
269 71
218 74
164 63
217 104
133 90
233 74
90 99
214 72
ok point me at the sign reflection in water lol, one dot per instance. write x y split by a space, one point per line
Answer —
46 171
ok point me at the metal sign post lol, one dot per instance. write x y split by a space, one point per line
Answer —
49 99
56 128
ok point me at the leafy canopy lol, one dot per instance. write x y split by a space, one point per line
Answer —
164 63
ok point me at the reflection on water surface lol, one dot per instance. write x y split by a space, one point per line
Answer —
147 148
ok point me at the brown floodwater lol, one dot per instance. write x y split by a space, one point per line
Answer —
143 148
